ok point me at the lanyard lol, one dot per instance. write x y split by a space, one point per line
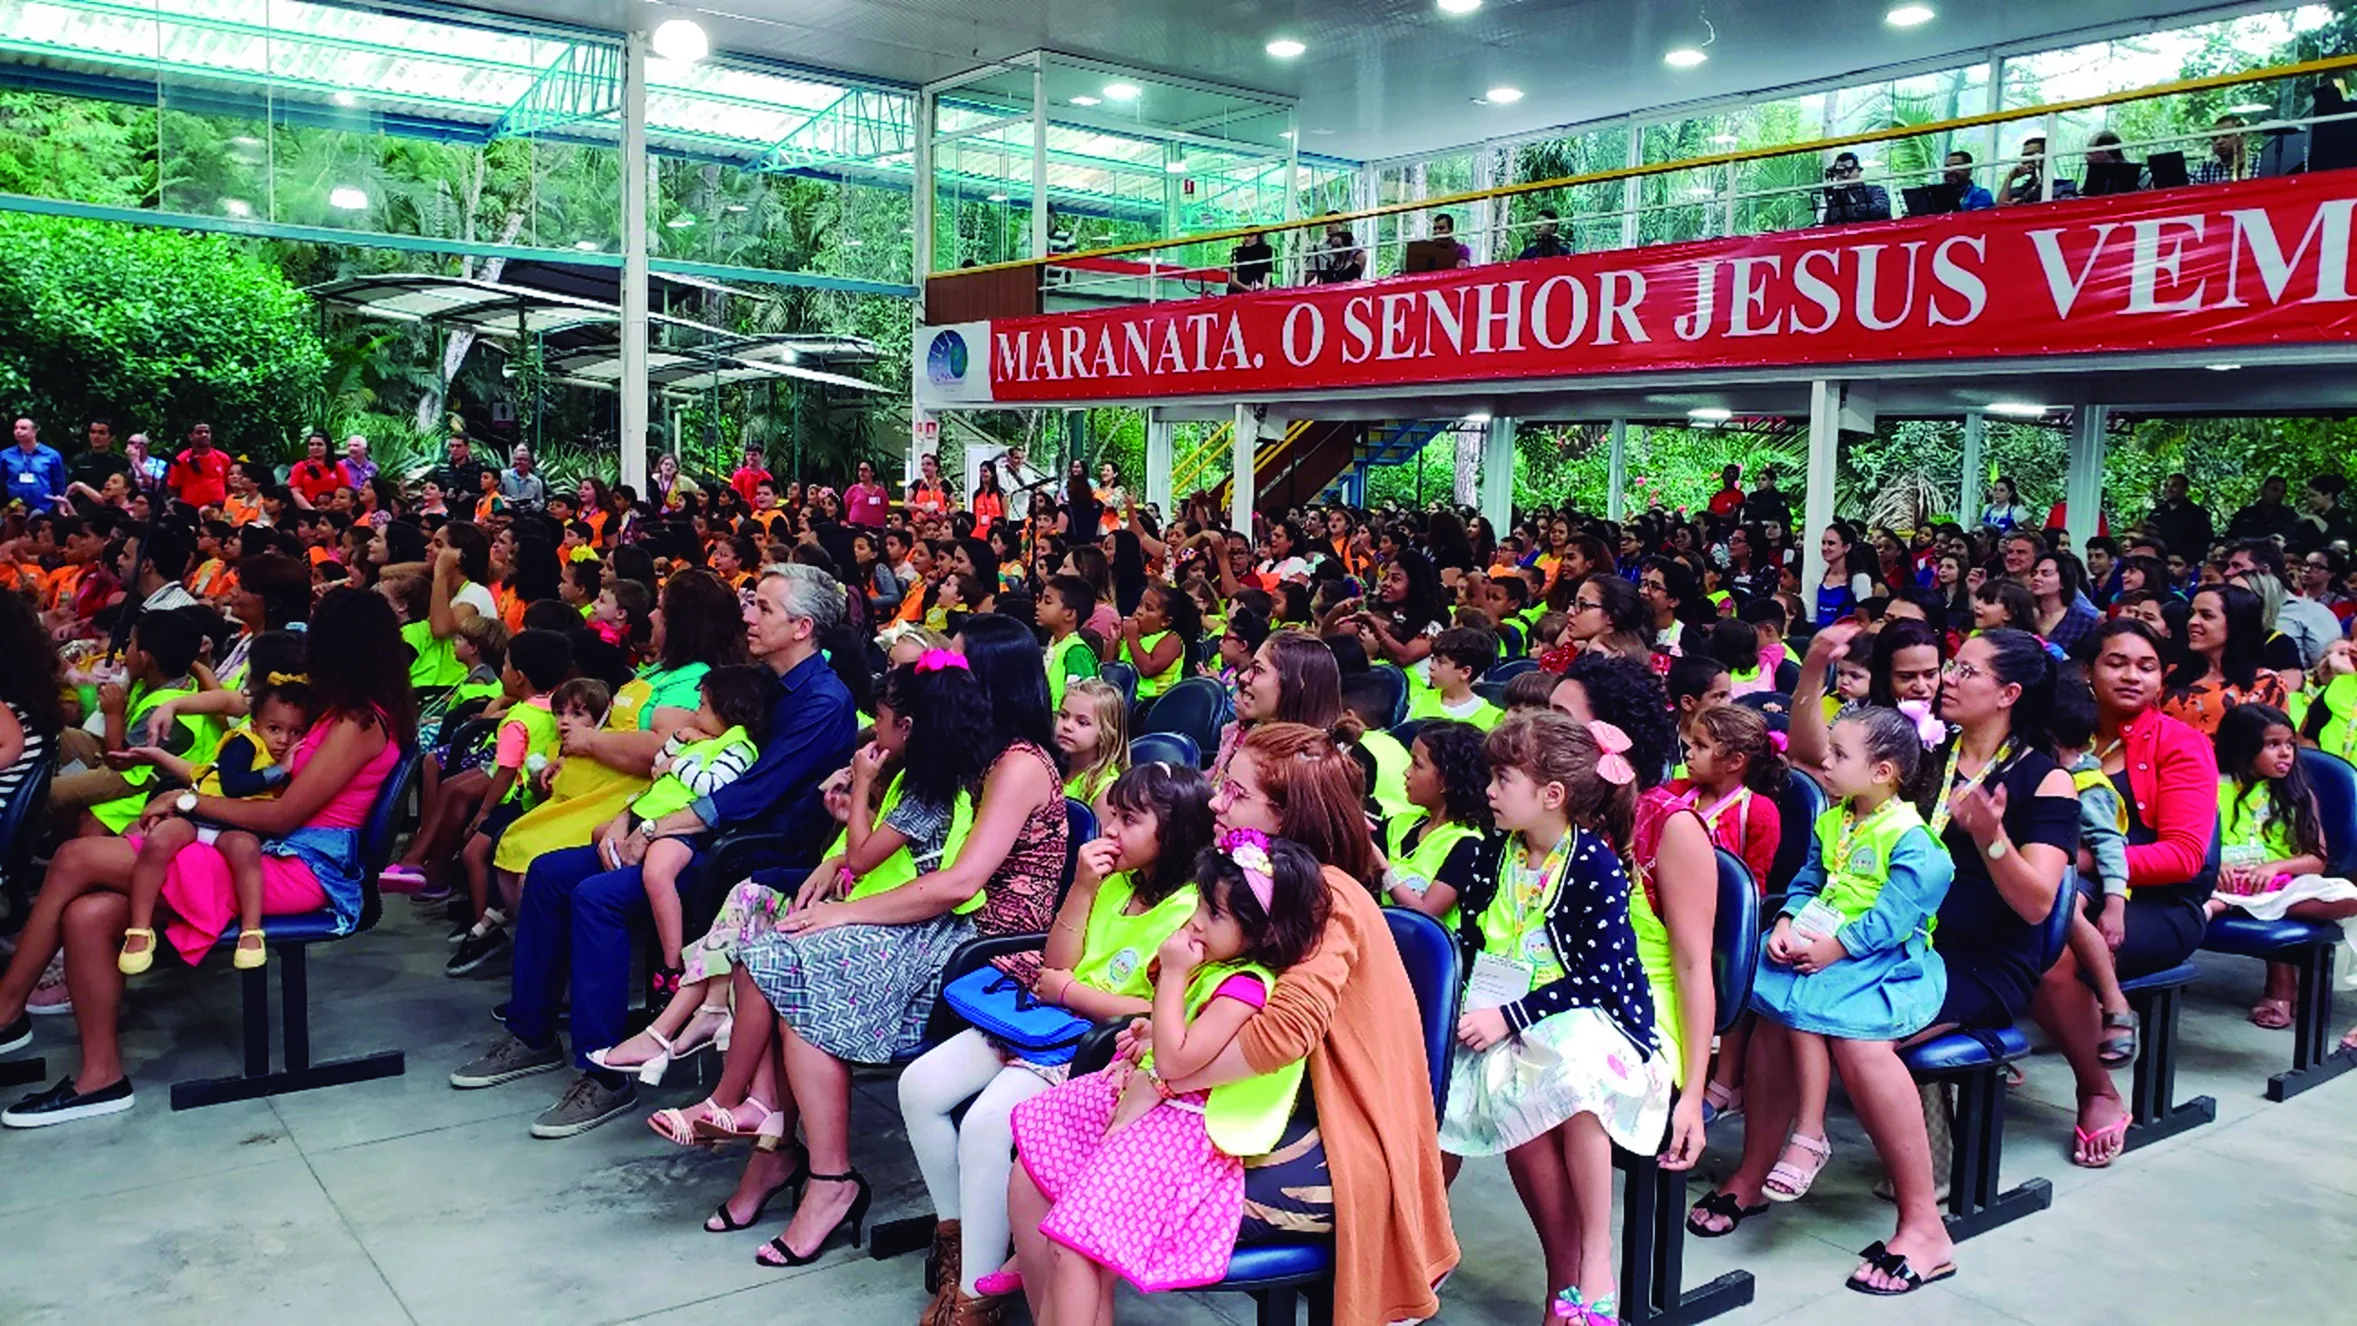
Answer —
1948 784
1851 827
1549 870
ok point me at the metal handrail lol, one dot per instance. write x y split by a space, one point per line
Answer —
2180 87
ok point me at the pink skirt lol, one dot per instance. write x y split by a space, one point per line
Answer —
1155 1202
203 899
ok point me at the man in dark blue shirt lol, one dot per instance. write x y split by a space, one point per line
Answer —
580 910
36 473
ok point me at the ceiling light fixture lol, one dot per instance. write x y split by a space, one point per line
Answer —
1459 6
237 207
1085 99
1710 414
2222 368
997 198
681 221
344 197
1121 92
1285 48
2020 409
1685 57
345 99
2250 108
1502 96
1174 167
681 41
1909 16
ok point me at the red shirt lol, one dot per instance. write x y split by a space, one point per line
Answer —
748 480
2173 776
1726 502
202 480
2057 516
316 480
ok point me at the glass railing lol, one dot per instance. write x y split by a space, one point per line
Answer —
2196 131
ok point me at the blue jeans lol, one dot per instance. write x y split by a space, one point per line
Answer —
577 917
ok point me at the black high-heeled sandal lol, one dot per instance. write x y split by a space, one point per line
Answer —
730 1225
856 1219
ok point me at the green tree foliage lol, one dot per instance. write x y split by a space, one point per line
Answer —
156 328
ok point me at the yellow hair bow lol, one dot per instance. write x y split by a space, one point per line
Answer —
289 678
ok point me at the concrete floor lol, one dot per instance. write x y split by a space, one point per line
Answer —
406 1201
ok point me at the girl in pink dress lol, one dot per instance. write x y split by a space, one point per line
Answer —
1144 1181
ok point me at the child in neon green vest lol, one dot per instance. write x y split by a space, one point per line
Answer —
1432 849
525 747
693 764
1063 607
1460 655
1092 729
250 763
1147 1182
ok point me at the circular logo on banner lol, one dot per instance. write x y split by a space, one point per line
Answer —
945 359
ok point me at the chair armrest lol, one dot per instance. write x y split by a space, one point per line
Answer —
1096 1048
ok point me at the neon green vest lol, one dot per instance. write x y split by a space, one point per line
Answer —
1119 946
2248 832
1085 787
669 793
2340 725
1244 1118
436 663
2086 780
1419 865
1068 659
1149 687
1661 977
1515 928
1855 881
901 867
540 738
1427 704
1391 772
204 732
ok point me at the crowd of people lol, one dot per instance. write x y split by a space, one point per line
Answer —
223 665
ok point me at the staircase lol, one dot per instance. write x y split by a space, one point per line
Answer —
1316 461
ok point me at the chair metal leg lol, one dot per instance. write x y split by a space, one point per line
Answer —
300 1073
1653 1252
22 1072
1278 1307
2316 1056
2153 1113
1321 1303
1974 1205
894 1238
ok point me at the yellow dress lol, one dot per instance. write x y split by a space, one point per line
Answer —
585 794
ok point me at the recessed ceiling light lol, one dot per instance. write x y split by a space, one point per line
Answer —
1085 99
681 221
681 41
1710 414
586 245
344 197
1287 135
2250 108
237 207
1502 96
1285 48
998 198
1121 92
1459 6
345 99
1908 16
2222 368
2024 409
1685 57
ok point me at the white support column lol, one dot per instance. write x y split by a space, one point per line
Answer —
1824 452
633 383
1158 464
1247 447
2083 486
1497 475
1616 473
920 198
1039 160
1968 489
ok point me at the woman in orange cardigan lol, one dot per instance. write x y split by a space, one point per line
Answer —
1342 1008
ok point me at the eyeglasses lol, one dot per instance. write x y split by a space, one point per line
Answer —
1959 670
1586 605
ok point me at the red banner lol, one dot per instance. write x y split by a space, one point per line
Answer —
2263 262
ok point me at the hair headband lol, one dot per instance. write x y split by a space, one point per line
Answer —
935 660
1249 849
1613 765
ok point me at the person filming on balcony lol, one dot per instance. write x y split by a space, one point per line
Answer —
1845 199
1340 261
1544 241
2026 182
1251 263
1956 173
2229 158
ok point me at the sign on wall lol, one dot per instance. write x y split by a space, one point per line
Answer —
2263 262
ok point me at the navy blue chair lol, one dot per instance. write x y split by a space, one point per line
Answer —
1195 708
1653 1207
2307 945
1404 732
2157 998
1510 639
1124 679
1509 670
1397 682
1167 747
290 938
20 825
1278 1274
1973 1061
1492 691
1797 810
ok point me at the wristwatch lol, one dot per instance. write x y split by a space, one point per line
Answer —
185 803
1996 849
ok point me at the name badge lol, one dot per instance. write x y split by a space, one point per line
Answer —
1495 982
